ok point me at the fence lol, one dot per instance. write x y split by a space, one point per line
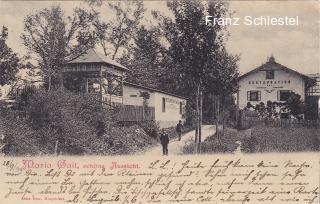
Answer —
252 118
130 113
124 113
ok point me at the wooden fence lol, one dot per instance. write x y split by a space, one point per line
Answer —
130 113
124 113
252 118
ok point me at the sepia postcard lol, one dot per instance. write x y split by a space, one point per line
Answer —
185 101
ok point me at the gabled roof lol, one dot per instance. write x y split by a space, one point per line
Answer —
271 64
91 56
152 89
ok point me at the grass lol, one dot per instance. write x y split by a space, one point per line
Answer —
261 139
275 139
211 144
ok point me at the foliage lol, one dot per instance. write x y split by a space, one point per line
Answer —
117 33
9 61
213 145
295 105
53 39
262 139
196 50
20 139
272 139
72 120
249 144
197 59
151 128
123 140
145 58
77 122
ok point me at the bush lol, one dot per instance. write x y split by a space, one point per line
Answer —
76 121
73 120
19 139
249 145
151 128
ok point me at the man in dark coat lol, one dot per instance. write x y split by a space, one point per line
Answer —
164 139
179 129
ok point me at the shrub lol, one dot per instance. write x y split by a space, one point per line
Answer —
249 145
151 128
19 139
73 120
76 121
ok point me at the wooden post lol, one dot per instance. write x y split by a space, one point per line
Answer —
100 81
197 117
87 85
61 80
238 109
200 121
223 115
56 148
217 118
122 88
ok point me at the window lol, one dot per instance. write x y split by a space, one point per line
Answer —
163 105
270 74
180 108
283 95
254 95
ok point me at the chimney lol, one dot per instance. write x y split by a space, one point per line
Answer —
271 59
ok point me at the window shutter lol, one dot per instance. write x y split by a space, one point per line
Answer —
259 95
278 95
248 95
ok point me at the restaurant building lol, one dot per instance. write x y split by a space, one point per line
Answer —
271 82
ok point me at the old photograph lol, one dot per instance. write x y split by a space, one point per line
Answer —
110 78
189 102
158 78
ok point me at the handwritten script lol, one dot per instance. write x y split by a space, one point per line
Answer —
195 179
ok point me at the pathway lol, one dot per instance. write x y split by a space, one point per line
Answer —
175 146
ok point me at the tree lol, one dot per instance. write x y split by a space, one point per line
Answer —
9 61
117 33
223 83
54 39
295 105
145 58
197 58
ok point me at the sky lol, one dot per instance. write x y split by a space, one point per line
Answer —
296 47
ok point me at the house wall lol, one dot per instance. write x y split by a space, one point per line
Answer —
269 87
131 96
171 115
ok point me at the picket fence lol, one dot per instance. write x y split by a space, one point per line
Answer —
131 113
251 118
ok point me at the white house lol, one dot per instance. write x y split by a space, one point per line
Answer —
271 82
168 108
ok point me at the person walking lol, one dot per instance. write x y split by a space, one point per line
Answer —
164 139
179 129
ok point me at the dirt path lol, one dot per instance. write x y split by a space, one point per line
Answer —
175 146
